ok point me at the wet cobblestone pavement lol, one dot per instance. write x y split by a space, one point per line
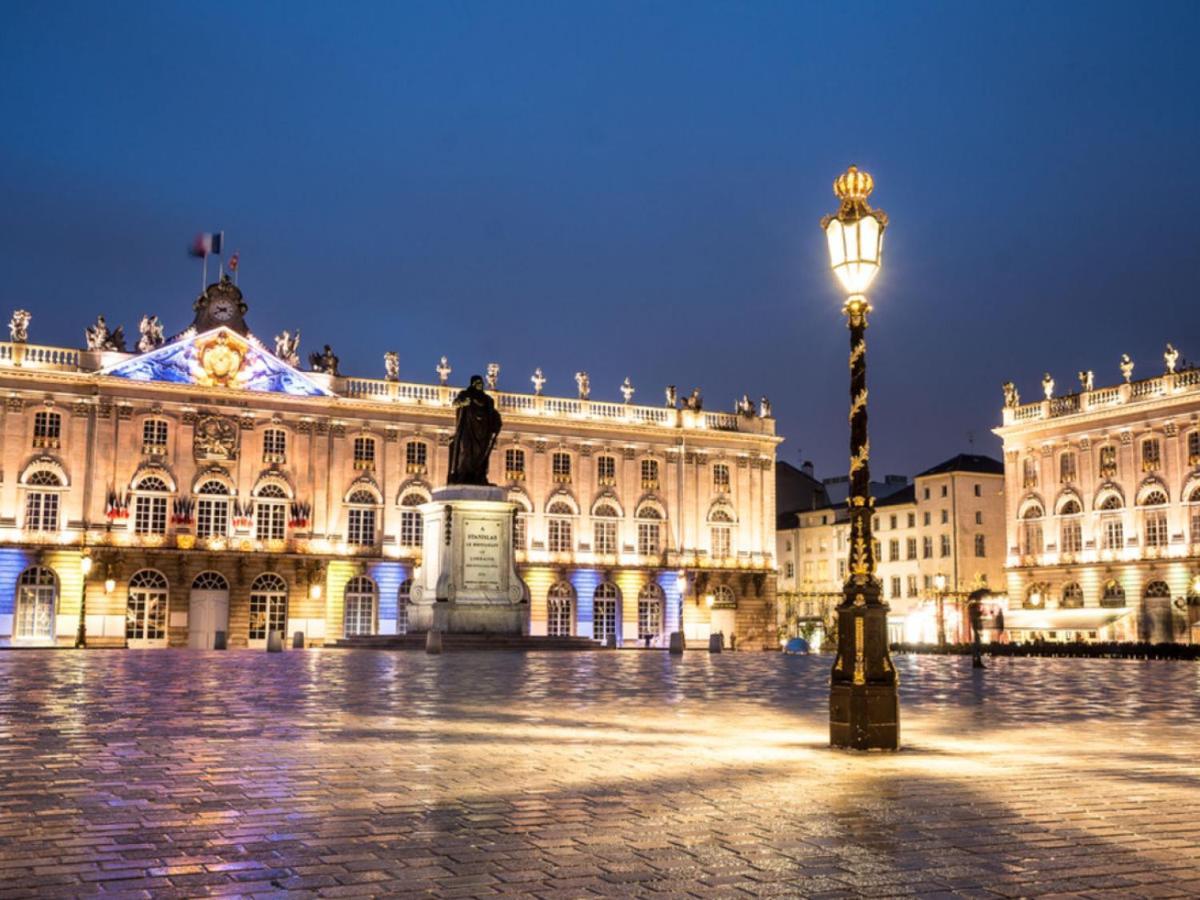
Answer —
173 773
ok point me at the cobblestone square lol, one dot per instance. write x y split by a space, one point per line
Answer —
337 773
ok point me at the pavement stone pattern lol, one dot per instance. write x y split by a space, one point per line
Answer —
363 773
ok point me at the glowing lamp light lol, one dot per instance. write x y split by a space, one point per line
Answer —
939 582
85 565
709 600
855 233
314 591
110 585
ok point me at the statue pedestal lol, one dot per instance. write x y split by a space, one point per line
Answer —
468 581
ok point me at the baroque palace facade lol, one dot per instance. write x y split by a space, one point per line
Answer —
1103 512
206 484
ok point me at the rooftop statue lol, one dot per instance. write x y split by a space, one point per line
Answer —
627 390
287 347
493 375
443 370
764 407
476 426
18 326
694 401
539 381
1126 367
584 383
325 361
391 365
99 337
151 332
1087 380
1048 386
672 396
1171 358
1011 398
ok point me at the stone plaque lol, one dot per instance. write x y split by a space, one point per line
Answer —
483 554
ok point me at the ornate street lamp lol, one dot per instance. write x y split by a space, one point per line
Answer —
864 707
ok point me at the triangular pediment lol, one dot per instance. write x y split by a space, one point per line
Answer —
219 358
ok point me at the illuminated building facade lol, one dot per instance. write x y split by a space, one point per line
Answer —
949 521
1103 517
216 487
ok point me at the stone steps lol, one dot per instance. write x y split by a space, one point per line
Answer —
465 641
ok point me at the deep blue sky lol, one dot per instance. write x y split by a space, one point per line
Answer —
627 188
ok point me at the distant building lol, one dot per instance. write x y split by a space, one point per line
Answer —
949 521
1103 514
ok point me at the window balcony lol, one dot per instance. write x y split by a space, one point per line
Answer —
154 449
561 478
649 484
606 480
271 458
364 465
515 474
44 442
416 468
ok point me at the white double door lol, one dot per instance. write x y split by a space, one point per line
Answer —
208 613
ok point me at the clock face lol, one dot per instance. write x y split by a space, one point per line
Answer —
222 309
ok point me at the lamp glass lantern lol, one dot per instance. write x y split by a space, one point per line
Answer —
85 565
855 233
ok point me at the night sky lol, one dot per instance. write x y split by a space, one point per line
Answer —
630 189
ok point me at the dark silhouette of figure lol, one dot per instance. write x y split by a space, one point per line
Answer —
475 430
975 615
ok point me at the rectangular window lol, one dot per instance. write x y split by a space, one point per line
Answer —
980 546
912 520
649 475
560 464
1030 472
841 570
1071 537
927 520
1112 533
275 446
270 520
41 511
910 548
519 532
150 515
410 528
720 477
648 539
925 493
1195 526
212 517
978 518
789 571
364 453
893 550
895 587
928 582
559 535
154 437
1151 455
1156 528
912 586
926 548
944 489
361 531
1108 461
514 464
415 456
1066 468
945 545
1193 445
47 429
978 490
721 542
892 521
1033 538
606 470
945 516
604 536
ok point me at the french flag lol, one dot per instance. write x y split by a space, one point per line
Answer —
207 244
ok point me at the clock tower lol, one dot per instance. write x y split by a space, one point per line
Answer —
221 304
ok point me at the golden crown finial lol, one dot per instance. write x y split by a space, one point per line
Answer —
853 185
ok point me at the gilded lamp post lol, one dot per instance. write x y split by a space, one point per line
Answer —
864 707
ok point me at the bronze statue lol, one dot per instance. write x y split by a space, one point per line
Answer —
476 426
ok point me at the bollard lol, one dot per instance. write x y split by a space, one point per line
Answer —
219 641
677 643
298 640
274 641
433 641
715 642
610 642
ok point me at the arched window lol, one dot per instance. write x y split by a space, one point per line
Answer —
606 611
212 509
47 430
268 606
560 610
604 528
410 519
1070 507
649 475
1111 502
150 505
154 437
416 455
1193 448
360 606
360 529
270 513
1072 596
1154 519
146 608
211 581
721 532
1031 530
1114 594
42 505
403 601
723 597
650 612
274 446
649 530
1155 498
36 606
558 527
1035 597
1157 590
364 453
520 525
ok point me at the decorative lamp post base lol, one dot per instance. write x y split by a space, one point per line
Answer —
864 702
